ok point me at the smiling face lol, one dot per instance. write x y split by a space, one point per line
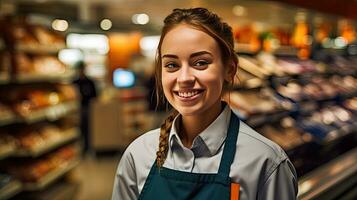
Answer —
192 71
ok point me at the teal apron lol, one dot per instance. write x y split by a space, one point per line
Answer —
165 183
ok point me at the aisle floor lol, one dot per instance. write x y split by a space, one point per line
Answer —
95 176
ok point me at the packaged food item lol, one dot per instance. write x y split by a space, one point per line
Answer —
67 92
47 37
254 102
48 65
23 35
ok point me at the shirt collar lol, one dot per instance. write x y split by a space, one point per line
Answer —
213 136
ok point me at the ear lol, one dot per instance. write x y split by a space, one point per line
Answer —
230 71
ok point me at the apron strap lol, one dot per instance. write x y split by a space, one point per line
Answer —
229 146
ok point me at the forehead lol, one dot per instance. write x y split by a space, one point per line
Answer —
187 38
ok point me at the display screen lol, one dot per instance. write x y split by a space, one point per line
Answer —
123 78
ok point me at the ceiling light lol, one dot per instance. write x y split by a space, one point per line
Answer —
239 10
60 25
140 19
106 24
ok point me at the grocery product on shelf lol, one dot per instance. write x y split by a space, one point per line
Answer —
29 37
5 111
7 144
351 104
26 100
9 186
32 170
250 102
286 134
250 65
4 64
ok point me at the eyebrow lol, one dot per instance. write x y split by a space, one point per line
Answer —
200 53
192 55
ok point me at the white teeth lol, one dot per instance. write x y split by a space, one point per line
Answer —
187 94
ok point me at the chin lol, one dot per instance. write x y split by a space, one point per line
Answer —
189 110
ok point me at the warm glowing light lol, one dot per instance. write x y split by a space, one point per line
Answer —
60 25
239 10
140 19
106 24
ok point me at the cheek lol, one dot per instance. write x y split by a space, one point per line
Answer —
214 79
167 83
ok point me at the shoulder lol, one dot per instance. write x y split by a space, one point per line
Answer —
144 144
253 149
142 151
260 144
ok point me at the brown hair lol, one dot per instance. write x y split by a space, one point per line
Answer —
210 23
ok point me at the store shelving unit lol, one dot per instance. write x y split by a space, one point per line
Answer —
51 113
4 79
304 150
123 120
10 190
7 150
68 136
51 176
318 183
52 78
40 49
43 116
8 119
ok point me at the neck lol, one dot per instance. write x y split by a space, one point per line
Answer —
193 125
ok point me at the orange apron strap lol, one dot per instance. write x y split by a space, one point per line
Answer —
235 191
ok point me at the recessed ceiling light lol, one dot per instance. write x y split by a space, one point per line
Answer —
140 19
60 25
239 10
106 24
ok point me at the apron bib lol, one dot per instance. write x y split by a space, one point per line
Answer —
165 183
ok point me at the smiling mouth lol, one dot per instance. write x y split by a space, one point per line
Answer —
188 94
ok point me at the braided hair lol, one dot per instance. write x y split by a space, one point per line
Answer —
208 22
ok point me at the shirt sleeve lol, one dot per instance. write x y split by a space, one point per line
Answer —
281 184
125 186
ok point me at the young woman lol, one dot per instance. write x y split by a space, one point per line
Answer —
202 150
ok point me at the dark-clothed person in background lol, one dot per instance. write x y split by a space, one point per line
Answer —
87 91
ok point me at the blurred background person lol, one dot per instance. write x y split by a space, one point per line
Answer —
87 91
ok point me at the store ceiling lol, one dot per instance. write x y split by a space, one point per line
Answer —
347 8
88 13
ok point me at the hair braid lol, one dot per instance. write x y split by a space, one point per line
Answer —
164 138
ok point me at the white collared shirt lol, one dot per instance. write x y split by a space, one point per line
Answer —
260 166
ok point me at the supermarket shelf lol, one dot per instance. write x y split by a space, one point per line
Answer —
286 51
51 176
6 151
69 135
339 133
264 118
40 49
51 113
10 190
328 176
52 78
8 119
4 79
2 45
244 48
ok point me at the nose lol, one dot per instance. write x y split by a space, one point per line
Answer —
185 76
